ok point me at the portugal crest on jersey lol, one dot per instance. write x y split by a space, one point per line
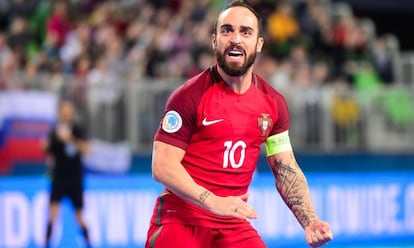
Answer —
264 123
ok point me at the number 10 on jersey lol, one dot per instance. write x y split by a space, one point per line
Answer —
229 153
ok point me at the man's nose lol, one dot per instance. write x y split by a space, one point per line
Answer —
235 38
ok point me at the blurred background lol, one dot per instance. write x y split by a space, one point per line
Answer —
345 67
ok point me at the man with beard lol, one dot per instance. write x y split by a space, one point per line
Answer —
208 144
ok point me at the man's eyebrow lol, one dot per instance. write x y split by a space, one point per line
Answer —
226 26
242 28
246 28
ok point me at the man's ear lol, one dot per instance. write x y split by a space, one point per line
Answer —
213 41
259 45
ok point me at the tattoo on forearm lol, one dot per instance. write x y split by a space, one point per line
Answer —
203 196
292 186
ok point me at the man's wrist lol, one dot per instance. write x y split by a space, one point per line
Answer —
307 220
204 195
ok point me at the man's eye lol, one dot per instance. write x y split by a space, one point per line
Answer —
247 32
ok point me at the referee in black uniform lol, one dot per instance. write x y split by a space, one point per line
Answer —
66 145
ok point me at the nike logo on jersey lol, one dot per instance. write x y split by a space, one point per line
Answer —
208 123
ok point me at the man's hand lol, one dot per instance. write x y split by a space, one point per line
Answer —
318 233
64 133
231 206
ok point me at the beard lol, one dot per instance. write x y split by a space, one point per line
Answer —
232 69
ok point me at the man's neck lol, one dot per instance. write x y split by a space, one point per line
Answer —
240 84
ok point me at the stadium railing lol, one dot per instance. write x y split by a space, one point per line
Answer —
377 119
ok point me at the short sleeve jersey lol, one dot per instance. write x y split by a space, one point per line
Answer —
221 132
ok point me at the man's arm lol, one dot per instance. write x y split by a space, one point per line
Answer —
292 185
83 146
168 170
66 135
81 140
46 145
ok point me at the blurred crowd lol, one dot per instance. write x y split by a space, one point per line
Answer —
107 43
171 38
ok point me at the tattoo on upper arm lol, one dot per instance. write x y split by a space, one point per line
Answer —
292 186
203 196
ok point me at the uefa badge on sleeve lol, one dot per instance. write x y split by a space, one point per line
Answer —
172 122
264 124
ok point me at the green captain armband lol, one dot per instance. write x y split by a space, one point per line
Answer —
278 143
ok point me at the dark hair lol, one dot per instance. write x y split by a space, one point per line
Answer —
241 3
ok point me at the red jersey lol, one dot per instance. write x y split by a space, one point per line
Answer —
221 132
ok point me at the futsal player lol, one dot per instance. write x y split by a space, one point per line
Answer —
208 144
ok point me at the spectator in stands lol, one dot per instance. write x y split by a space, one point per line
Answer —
9 74
307 20
67 144
32 78
5 50
55 78
203 58
22 8
157 58
320 73
281 78
382 61
266 65
344 28
314 105
51 48
81 67
200 10
132 34
282 27
104 92
316 24
299 56
42 61
201 30
325 42
114 55
306 85
59 24
20 37
352 47
38 21
77 42
345 114
356 44
138 39
135 50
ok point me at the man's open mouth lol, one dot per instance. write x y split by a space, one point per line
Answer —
235 53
